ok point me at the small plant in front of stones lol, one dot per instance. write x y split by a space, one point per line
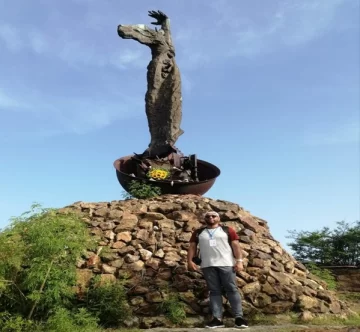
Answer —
141 190
107 301
323 274
173 309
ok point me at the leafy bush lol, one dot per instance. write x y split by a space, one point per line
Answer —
16 323
38 252
64 320
323 274
141 190
108 302
173 309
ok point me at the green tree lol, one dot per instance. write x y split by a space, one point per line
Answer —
311 246
340 246
346 243
38 252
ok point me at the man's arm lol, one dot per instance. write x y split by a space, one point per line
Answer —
238 256
235 245
191 251
236 249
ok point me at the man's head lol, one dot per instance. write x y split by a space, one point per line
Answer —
212 218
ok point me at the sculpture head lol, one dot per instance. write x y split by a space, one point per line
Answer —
128 31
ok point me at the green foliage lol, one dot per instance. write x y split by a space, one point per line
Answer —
108 301
173 309
64 320
16 323
340 246
38 252
141 190
323 274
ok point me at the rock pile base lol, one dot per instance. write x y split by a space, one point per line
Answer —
147 241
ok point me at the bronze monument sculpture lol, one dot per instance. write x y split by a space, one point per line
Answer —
162 163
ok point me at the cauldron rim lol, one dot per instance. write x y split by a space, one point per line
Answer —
216 170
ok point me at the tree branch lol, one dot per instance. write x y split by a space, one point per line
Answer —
41 288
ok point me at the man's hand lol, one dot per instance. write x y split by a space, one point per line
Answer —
238 266
192 266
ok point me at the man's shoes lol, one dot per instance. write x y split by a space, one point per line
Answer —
214 324
241 323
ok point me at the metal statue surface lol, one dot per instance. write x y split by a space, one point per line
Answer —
163 97
162 163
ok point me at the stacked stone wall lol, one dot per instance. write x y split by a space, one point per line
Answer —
147 241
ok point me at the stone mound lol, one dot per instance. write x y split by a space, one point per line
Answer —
147 240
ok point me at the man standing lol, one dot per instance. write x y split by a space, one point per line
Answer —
218 248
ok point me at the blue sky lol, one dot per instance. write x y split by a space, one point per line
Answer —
270 95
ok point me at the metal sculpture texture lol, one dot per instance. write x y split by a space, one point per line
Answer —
163 96
162 163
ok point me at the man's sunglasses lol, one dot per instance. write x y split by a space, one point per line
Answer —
211 216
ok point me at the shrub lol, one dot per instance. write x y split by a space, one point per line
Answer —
16 323
173 309
64 320
323 274
38 252
108 302
141 190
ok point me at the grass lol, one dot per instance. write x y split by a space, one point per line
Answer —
261 319
336 321
349 296
352 298
292 318
287 322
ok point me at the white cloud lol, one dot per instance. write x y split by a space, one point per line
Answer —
286 24
8 102
341 134
307 20
38 42
71 50
76 52
10 36
129 58
292 24
71 115
90 115
229 28
186 83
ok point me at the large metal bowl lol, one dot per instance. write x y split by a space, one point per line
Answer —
207 174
